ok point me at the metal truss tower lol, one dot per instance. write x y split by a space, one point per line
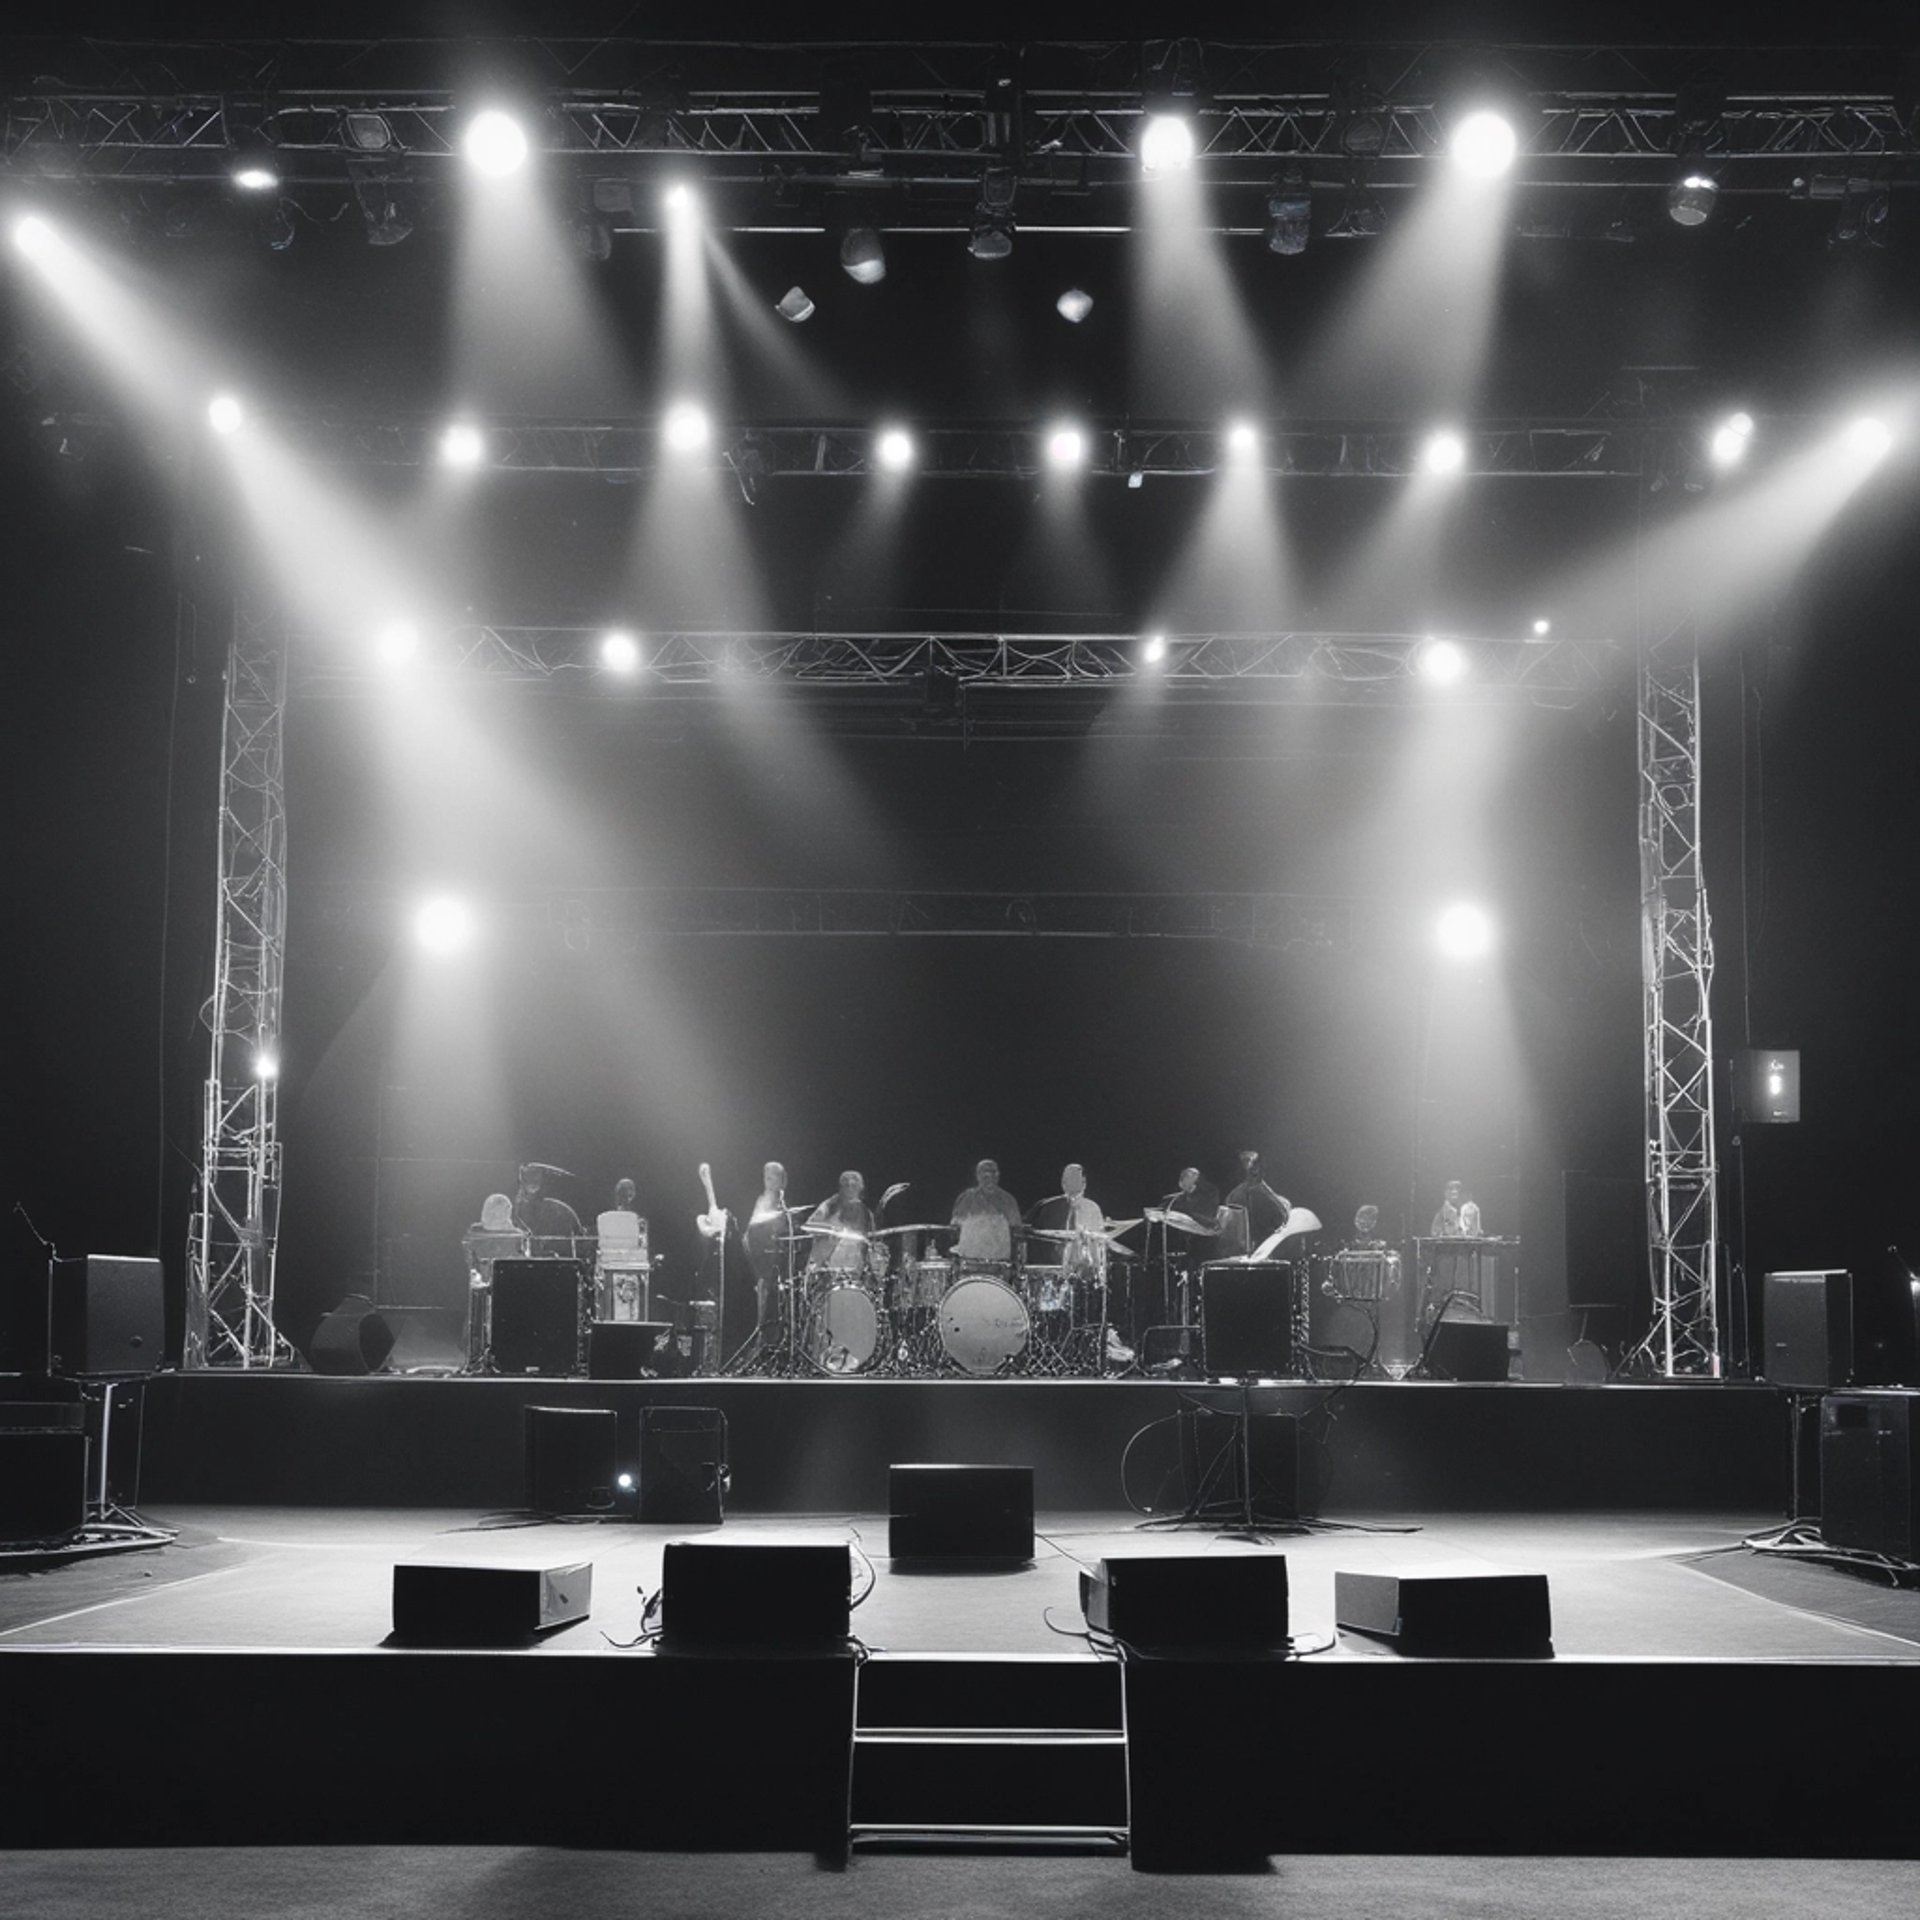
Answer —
1677 973
236 1213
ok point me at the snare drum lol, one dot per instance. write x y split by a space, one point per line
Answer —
920 1285
983 1324
842 1331
1049 1289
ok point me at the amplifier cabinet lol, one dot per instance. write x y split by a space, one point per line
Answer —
1870 1471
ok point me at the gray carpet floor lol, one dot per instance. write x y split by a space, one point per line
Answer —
512 1883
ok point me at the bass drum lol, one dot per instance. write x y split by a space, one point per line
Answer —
843 1329
983 1324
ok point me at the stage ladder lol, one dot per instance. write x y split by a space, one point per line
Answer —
989 1752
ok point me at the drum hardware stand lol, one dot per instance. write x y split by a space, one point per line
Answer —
1239 1451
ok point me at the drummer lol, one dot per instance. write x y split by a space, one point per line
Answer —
1072 1211
844 1222
986 1215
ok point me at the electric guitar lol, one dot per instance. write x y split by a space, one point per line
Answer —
712 1223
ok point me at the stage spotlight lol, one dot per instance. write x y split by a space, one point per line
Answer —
495 144
619 652
396 643
1066 447
1445 452
686 427
1871 439
443 924
991 236
1690 198
1074 305
794 305
266 1064
894 450
462 446
680 204
1541 628
1729 443
1242 438
862 256
1441 662
370 132
34 237
1464 931
1289 214
1166 144
1153 649
1484 145
225 414
255 178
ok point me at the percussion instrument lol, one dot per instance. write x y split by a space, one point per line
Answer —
920 1285
1049 1289
842 1330
1362 1273
983 1324
1179 1222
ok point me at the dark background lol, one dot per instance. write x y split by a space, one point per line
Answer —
1360 1071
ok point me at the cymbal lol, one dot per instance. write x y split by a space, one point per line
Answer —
1122 1226
1051 1233
925 1227
1180 1222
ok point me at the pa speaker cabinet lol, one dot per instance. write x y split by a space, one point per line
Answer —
352 1339
1246 1316
1870 1471
43 1485
570 1459
960 1513
683 1466
1806 1320
487 1605
754 1593
1280 1454
536 1315
1469 1350
1467 1613
1193 1602
106 1315
625 1349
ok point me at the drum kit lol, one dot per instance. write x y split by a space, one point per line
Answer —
900 1303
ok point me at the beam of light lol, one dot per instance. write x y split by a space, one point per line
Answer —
686 427
1464 931
1730 440
495 144
1444 452
1442 662
1870 438
1725 555
1243 439
396 643
1412 332
34 237
256 179
1066 448
1234 570
749 331
894 450
1484 145
462 446
225 414
1166 144
443 923
1153 649
681 204
620 652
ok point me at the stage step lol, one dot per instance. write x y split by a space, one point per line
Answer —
989 1751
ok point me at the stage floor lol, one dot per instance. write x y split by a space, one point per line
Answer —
1624 1586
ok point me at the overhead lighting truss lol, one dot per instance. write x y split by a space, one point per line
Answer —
747 123
1252 668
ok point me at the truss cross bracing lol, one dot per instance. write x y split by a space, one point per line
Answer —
1677 971
235 1220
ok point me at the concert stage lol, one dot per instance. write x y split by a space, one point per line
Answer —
234 1689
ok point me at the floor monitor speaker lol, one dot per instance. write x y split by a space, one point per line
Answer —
754 1593
960 1513
352 1339
1192 1602
482 1605
1469 1613
43 1485
625 1349
1469 1350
